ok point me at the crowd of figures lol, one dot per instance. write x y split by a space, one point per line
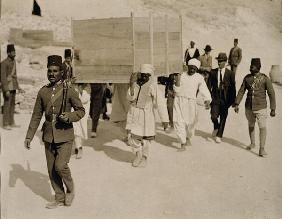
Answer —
66 105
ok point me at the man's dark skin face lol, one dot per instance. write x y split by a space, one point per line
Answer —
68 60
144 77
221 64
192 44
254 69
54 74
12 54
235 44
192 69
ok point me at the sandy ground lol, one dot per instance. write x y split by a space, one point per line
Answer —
208 180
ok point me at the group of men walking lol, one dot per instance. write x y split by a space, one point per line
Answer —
63 105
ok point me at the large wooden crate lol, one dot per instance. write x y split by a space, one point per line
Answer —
109 50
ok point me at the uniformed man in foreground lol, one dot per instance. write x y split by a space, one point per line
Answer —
56 100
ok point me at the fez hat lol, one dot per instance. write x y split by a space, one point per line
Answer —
68 53
221 56
208 48
256 62
147 68
54 60
194 62
236 40
10 48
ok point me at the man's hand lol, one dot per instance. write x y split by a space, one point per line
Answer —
177 79
63 118
272 113
236 109
207 104
133 78
7 93
27 144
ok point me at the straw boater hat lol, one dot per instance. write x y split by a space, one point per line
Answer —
147 68
194 62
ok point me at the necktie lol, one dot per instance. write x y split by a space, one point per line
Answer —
220 79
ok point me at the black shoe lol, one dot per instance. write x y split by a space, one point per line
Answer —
105 116
54 204
7 127
79 153
15 126
262 152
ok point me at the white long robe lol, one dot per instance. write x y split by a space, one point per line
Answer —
162 103
141 121
185 113
80 127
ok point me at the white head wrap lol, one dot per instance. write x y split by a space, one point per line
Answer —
194 62
147 68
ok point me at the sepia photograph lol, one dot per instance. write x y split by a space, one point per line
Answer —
146 109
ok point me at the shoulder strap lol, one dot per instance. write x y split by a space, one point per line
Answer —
65 93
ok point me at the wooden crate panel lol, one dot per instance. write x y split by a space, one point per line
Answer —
103 73
109 51
141 24
105 57
103 33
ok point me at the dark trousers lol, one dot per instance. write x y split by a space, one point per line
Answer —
219 113
9 108
96 104
57 157
234 68
170 102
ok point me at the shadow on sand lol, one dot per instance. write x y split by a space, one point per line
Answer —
37 182
104 141
230 141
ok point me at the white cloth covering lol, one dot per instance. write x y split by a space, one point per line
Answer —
141 121
162 103
80 127
185 114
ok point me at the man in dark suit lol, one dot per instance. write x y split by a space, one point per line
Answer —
10 85
235 56
56 101
221 84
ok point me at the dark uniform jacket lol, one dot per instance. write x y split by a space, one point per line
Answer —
228 93
54 130
8 80
257 86
235 56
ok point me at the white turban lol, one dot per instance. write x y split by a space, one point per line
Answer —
147 68
194 62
